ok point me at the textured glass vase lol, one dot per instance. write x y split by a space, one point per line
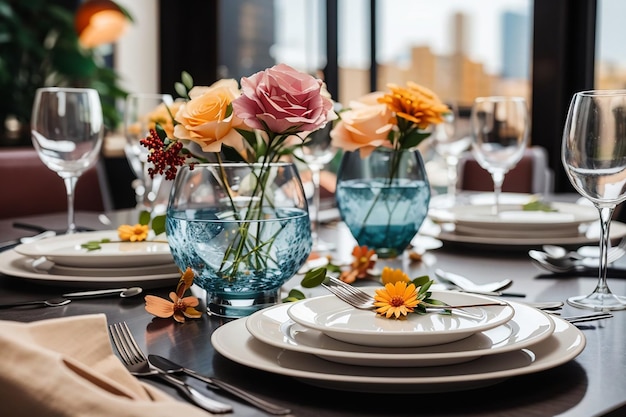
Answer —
383 198
244 229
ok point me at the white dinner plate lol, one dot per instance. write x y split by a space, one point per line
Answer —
617 232
67 250
233 341
513 217
341 321
527 327
17 265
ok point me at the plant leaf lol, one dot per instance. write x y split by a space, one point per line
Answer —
314 277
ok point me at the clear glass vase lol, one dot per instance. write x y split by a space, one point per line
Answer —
383 198
244 229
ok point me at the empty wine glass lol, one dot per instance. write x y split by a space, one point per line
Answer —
317 151
141 112
499 127
67 131
450 144
594 158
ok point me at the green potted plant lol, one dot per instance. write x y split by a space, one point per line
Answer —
39 47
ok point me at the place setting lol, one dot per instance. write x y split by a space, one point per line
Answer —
63 260
327 342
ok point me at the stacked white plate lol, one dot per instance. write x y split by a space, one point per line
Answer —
474 221
325 342
61 260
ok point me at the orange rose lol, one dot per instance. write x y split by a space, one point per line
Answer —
207 118
163 116
364 127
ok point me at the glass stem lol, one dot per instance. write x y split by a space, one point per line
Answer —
315 179
498 179
605 222
70 187
452 176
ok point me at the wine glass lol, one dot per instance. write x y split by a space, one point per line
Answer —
594 158
499 127
67 130
141 111
317 151
450 145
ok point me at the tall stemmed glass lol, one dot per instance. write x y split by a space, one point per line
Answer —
317 151
67 131
594 158
450 145
140 113
499 127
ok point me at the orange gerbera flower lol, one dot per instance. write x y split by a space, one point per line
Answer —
180 307
391 276
136 233
396 300
415 104
363 260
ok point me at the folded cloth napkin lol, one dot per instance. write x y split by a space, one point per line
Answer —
66 367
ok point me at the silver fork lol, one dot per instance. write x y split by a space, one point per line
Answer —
137 364
358 298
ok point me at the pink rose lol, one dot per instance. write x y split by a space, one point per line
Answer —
282 100
364 127
206 120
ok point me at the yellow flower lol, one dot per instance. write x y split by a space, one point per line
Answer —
136 233
415 104
396 300
180 307
391 276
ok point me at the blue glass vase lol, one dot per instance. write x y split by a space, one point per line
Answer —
383 198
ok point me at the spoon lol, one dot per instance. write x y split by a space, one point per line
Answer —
122 292
468 285
53 302
559 252
559 265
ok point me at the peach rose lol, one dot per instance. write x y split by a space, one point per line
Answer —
206 119
282 101
364 127
163 116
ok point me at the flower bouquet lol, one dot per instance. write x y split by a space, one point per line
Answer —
382 187
237 215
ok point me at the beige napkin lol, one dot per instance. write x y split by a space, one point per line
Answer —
66 367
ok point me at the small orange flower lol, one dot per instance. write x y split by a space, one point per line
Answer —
396 300
391 276
136 233
363 260
181 307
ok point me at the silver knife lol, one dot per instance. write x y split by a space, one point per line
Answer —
167 366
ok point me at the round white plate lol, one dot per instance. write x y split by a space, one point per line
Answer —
67 250
617 231
233 341
513 217
169 268
340 321
527 327
16 265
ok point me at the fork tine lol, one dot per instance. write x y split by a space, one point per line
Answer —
359 294
125 343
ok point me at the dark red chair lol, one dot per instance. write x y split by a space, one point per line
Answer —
28 187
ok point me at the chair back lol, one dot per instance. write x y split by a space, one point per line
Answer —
531 175
29 187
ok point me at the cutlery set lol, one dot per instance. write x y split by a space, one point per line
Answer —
164 369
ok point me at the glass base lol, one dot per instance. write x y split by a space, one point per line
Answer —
240 305
598 302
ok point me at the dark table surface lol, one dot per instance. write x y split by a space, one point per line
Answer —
593 384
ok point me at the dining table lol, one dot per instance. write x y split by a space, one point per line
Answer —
592 384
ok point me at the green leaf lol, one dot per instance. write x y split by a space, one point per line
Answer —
314 278
413 139
294 295
158 224
144 218
187 80
180 90
419 281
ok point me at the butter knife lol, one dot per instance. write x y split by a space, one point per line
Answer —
167 366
